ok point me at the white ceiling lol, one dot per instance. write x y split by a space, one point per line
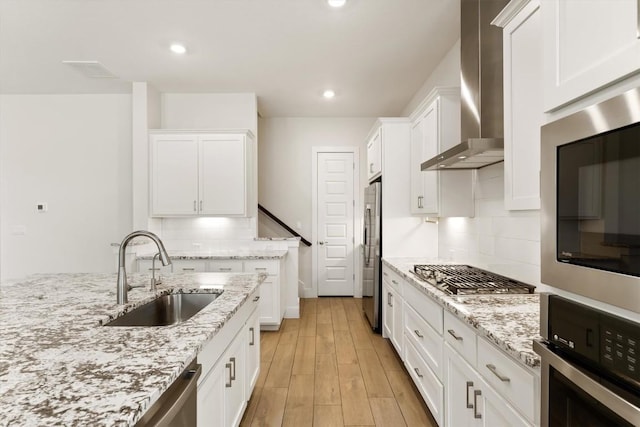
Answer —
375 54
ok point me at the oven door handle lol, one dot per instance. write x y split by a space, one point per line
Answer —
615 403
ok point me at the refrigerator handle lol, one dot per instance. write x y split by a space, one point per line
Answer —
367 236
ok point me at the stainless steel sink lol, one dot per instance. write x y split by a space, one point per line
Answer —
165 310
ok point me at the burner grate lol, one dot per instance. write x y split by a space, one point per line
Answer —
464 280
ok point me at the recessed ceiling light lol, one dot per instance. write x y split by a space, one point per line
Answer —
178 48
328 94
336 3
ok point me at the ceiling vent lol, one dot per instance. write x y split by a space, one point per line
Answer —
91 69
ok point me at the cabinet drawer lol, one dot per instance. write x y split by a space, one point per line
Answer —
226 266
430 310
393 279
269 267
425 339
511 380
189 266
428 384
145 265
461 337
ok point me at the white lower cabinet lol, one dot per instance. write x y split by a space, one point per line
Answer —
470 401
230 366
463 378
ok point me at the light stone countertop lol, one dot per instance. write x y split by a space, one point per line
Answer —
509 321
244 254
60 366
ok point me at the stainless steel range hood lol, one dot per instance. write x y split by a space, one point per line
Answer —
482 126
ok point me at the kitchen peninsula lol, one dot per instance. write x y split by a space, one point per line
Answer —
59 364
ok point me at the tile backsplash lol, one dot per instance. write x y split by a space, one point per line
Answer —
202 232
498 240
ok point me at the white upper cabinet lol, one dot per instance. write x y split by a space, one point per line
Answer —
374 156
174 174
202 174
587 45
522 49
435 127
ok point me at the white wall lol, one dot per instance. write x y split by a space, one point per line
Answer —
447 73
74 153
505 242
284 169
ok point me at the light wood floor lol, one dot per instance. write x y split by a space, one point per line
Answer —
329 369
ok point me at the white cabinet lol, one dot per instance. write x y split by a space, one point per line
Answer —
272 294
146 266
435 127
202 174
523 88
374 155
230 366
188 266
253 350
392 309
587 45
471 401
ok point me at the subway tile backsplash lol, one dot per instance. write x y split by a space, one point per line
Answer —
498 240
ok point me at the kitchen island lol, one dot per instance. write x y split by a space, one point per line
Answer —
60 366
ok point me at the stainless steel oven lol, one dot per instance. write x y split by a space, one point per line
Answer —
590 366
590 185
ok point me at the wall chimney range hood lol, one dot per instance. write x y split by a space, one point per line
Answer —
482 126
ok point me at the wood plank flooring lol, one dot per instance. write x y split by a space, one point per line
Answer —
329 369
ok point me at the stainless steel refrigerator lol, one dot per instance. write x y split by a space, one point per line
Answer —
371 252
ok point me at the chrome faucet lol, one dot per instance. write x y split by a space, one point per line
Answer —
123 286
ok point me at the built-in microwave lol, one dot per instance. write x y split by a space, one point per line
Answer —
590 182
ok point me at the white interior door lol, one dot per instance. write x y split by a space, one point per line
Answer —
335 224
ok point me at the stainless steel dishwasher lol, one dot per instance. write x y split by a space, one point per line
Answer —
177 407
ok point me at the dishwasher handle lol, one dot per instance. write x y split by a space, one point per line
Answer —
176 397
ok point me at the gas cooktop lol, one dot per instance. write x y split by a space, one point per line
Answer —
457 279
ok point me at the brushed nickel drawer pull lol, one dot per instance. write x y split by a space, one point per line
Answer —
417 332
476 393
418 373
420 206
233 360
260 268
253 338
224 268
188 268
495 372
453 334
228 366
469 385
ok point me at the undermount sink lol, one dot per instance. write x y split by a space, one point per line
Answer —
165 310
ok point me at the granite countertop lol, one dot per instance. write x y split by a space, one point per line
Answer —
248 254
509 321
60 366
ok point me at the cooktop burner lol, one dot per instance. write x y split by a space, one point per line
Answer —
457 279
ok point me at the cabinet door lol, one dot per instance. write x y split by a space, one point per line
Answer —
374 155
269 302
494 411
588 45
397 337
174 175
430 147
252 332
234 393
387 312
522 108
222 175
211 408
462 391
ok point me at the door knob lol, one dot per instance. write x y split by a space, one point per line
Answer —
321 243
